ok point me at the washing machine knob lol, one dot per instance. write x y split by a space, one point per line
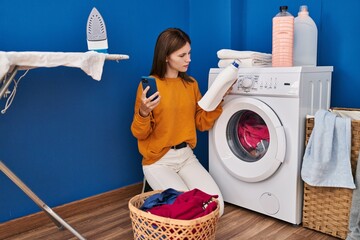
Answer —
246 83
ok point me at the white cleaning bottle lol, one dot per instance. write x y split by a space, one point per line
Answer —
282 38
305 39
219 87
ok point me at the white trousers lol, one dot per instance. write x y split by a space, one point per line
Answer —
180 169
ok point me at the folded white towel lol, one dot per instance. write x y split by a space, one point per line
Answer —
234 54
243 63
326 160
90 62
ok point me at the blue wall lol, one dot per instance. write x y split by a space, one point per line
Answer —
68 137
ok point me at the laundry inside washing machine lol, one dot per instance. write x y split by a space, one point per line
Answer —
248 135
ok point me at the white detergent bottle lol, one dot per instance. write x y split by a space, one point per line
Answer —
224 80
282 38
305 39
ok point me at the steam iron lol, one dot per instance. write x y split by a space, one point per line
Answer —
96 32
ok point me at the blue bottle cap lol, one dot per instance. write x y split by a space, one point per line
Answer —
235 64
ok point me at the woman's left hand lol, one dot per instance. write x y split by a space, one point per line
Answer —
148 104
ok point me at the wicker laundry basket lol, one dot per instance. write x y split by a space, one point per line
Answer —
327 209
147 226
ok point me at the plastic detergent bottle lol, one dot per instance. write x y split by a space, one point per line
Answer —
305 39
282 38
218 88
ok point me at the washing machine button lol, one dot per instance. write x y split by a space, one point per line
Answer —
247 83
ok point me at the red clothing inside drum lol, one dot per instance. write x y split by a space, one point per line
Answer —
252 130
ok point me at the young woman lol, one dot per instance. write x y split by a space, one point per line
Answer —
165 123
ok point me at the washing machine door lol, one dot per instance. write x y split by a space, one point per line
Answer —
249 139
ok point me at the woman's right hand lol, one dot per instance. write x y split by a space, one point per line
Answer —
148 104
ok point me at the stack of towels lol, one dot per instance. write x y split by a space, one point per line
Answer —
246 58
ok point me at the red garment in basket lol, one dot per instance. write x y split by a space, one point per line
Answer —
189 205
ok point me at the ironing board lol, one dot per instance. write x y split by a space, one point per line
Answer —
90 62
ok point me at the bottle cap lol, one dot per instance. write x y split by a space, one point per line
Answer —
235 64
303 10
283 8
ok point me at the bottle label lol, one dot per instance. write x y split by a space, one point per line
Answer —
282 41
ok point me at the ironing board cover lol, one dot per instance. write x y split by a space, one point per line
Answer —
90 62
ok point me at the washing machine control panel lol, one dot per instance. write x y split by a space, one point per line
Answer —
267 84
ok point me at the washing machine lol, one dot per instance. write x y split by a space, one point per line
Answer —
257 143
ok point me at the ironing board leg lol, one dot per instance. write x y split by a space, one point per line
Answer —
60 223
6 84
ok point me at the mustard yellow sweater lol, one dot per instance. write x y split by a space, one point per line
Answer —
173 121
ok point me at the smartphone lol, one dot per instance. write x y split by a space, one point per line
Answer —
149 81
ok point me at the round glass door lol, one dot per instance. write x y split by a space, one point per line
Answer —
248 135
249 139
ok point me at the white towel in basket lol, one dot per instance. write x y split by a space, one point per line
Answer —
326 161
